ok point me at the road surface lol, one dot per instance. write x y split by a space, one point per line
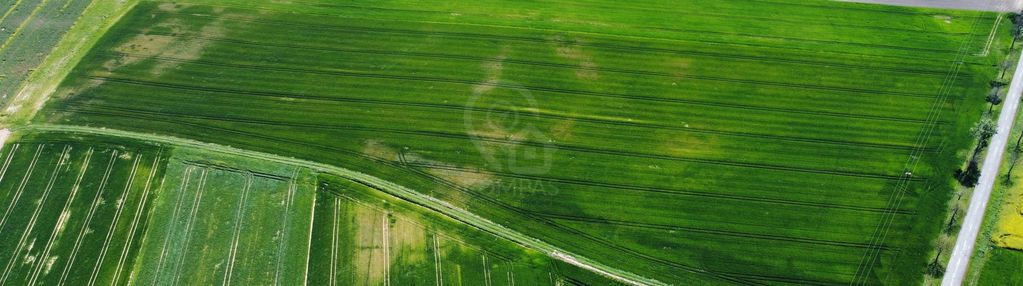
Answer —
957 265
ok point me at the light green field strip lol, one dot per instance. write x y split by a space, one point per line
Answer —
391 188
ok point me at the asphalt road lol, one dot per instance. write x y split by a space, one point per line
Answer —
957 265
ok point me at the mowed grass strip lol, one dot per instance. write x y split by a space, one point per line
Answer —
643 144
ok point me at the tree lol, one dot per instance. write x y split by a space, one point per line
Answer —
993 98
983 130
1017 27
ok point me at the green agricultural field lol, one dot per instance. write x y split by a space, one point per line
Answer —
365 242
217 224
120 212
634 138
1001 268
73 211
803 142
29 29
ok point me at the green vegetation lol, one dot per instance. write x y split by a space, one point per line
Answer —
218 224
208 217
73 209
366 242
1002 268
701 143
29 29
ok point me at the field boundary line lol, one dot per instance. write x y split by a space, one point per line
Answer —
309 241
335 225
188 226
239 214
486 271
88 219
62 219
437 261
135 222
7 161
281 244
64 156
385 228
187 177
117 218
21 187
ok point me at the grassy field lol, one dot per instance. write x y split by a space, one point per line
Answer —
130 213
365 242
73 211
216 224
1001 268
699 143
29 29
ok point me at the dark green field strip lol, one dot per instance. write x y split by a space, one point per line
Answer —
600 121
727 34
694 150
107 204
794 165
355 27
777 241
685 244
303 80
707 215
699 70
706 11
597 41
663 82
784 195
715 254
768 122
923 43
331 110
656 68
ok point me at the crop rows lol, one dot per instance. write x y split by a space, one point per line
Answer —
31 29
681 155
73 210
